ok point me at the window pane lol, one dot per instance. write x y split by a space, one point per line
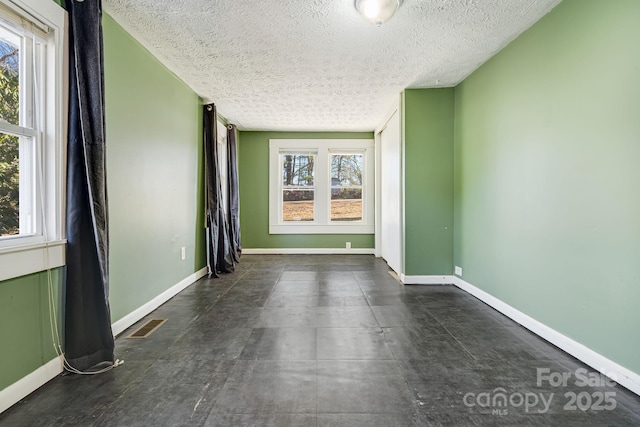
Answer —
9 185
346 204
297 170
9 76
346 170
298 205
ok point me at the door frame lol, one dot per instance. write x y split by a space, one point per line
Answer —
396 109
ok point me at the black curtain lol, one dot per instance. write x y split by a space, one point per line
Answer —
219 258
89 339
234 195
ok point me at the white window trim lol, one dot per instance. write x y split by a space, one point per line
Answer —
18 256
322 223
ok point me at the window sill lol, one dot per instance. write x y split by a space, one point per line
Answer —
321 229
19 261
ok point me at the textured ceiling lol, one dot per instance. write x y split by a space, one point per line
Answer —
316 64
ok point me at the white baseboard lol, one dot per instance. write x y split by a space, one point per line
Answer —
36 379
618 373
122 324
23 387
308 251
426 280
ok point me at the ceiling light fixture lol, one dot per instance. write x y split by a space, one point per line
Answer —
377 11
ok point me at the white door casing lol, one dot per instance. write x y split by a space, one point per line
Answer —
391 194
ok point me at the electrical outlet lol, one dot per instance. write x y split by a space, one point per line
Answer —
458 271
183 253
348 245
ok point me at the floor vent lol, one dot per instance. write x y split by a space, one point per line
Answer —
147 329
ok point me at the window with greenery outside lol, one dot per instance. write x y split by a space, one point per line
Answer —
9 144
346 187
298 197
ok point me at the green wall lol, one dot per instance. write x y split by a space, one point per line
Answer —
154 165
25 330
547 144
253 175
428 181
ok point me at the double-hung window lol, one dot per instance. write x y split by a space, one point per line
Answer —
31 117
347 169
20 131
321 186
298 186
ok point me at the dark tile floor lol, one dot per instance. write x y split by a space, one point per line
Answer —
328 341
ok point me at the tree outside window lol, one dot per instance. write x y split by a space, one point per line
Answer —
9 144
346 187
298 190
